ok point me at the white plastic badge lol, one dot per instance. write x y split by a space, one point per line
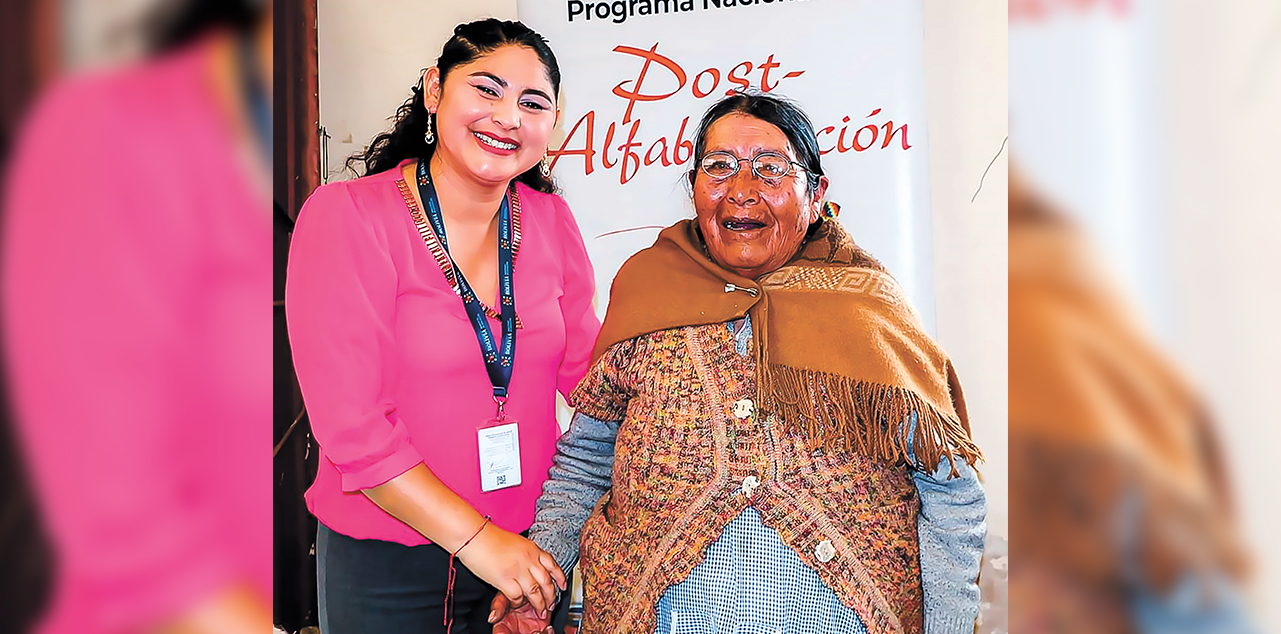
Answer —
499 457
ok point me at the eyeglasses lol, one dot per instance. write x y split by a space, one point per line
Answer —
771 167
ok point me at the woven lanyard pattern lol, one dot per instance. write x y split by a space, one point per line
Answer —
498 355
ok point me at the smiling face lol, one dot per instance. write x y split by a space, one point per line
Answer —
494 115
753 226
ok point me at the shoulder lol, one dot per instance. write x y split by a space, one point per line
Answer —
661 343
327 201
372 199
160 99
124 130
543 206
549 216
532 198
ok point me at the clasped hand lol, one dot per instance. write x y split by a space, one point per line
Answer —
526 576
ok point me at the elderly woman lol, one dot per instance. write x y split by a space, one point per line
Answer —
766 441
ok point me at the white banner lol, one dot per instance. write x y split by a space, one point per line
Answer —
637 76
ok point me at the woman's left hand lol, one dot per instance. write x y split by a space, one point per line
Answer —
522 620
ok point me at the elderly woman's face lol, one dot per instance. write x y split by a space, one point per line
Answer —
753 226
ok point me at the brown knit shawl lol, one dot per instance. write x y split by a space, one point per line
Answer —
1098 413
841 355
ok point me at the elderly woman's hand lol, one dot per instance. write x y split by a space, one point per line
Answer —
521 620
519 569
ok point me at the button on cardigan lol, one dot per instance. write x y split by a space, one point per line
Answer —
950 530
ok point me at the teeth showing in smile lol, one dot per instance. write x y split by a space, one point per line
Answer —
742 225
494 142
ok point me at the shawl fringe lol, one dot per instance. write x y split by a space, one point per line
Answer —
862 396
841 410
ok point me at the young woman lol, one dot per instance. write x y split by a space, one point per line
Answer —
435 307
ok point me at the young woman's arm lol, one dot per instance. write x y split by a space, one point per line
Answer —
519 569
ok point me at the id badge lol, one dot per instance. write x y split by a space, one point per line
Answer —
499 455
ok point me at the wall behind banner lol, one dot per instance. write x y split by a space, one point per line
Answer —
370 54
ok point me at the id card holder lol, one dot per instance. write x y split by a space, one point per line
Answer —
499 445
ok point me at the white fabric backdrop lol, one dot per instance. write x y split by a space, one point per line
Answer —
640 84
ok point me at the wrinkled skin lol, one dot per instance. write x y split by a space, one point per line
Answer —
753 226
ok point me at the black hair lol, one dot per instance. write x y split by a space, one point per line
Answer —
172 25
470 42
780 112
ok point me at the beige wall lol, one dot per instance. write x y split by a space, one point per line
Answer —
1222 94
966 96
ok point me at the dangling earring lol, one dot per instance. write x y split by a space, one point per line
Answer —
545 165
430 135
830 210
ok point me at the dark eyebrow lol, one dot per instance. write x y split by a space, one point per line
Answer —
497 80
503 83
542 94
757 151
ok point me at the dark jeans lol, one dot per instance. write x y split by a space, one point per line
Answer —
369 586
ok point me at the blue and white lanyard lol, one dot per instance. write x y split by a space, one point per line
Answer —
498 359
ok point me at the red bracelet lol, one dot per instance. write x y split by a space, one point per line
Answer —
482 527
449 591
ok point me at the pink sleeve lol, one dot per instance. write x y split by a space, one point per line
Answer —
340 304
114 395
577 303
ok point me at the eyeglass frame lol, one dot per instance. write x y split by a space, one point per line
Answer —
738 161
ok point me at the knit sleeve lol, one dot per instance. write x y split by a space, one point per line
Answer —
951 527
604 392
577 302
581 473
340 303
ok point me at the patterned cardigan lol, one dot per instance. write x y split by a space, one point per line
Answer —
692 453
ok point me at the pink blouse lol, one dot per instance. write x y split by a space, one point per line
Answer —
389 365
137 282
